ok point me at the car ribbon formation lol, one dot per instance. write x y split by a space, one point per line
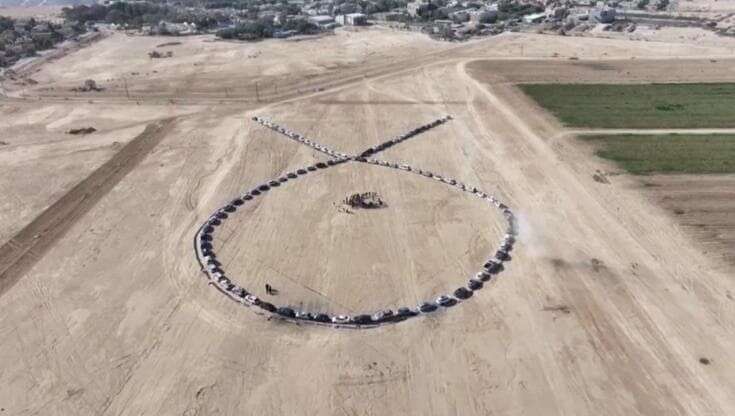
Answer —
212 268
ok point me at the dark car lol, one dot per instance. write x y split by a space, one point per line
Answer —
483 276
405 312
286 311
268 307
322 317
502 255
493 266
427 307
474 284
462 293
362 319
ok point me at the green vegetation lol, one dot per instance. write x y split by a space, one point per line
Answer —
668 153
266 29
638 106
137 14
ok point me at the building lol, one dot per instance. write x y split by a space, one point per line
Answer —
604 15
352 19
321 20
484 16
416 7
534 18
460 16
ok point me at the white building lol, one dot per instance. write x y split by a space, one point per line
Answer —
534 18
321 20
352 19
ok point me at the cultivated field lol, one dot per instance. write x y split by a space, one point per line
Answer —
671 153
608 306
638 106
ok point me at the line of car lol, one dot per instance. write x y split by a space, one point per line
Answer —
212 267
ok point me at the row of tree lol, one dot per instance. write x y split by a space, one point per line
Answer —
140 13
264 28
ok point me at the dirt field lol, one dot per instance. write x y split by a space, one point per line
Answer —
704 206
608 307
604 71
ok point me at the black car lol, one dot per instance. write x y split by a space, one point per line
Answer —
322 317
362 319
405 312
427 307
268 307
462 293
502 255
493 266
286 311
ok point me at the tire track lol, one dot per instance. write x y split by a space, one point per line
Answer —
30 244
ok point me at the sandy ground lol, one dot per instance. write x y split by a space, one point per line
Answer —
607 307
52 13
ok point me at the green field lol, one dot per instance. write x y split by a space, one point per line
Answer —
668 153
638 106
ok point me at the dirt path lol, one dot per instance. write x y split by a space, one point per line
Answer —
29 244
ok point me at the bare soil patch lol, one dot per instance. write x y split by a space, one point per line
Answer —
603 71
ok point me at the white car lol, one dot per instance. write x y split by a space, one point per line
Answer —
340 319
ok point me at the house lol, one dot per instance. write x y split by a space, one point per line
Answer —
460 16
604 15
534 18
321 20
484 16
352 19
417 7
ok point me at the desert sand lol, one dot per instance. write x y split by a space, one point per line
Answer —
608 307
